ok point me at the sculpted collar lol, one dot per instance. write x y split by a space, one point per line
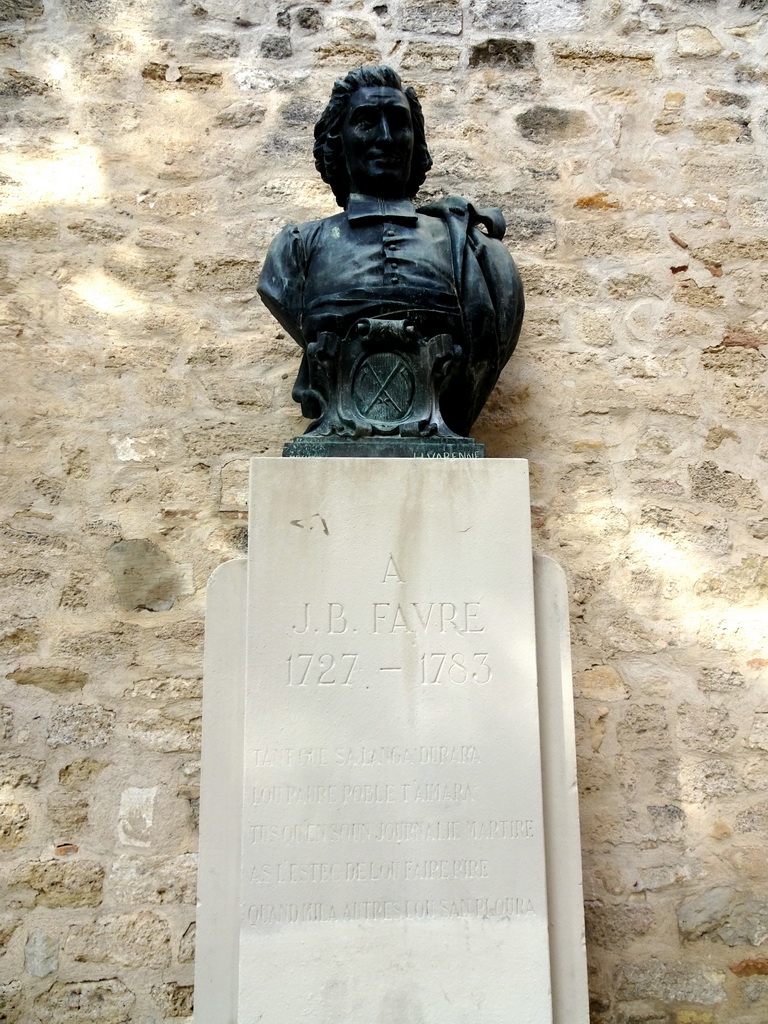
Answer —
361 207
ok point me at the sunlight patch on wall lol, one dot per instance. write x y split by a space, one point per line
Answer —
664 555
73 177
733 628
105 294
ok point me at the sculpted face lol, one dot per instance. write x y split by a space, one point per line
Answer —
378 141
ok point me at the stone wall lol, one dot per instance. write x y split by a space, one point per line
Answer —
151 150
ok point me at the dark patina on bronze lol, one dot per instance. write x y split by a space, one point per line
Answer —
405 316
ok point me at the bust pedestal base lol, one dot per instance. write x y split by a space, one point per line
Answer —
318 447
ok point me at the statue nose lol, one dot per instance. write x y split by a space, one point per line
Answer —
384 133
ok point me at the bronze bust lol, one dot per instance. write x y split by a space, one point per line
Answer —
405 317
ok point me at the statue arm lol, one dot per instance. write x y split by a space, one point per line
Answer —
505 290
282 279
491 297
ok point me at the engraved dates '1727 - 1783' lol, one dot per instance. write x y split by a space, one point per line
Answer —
405 316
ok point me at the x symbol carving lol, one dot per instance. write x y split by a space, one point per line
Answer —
382 392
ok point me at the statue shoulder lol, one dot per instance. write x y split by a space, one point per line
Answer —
463 212
293 242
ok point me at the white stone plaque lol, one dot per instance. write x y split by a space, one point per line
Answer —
392 864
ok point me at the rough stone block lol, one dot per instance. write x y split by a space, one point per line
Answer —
643 727
17 770
441 17
181 76
754 820
166 689
746 582
19 634
14 818
50 678
18 85
233 390
80 771
276 47
11 1002
240 114
601 682
76 883
135 268
722 487
145 577
697 41
674 982
593 56
41 954
702 914
214 46
437 56
708 780
86 725
758 737
8 925
167 732
612 926
187 945
504 15
740 362
11 10
722 130
504 53
243 13
717 680
557 282
138 939
153 880
174 1000
87 1002
668 822
607 237
745 923
224 275
705 728
68 811
758 528
309 18
345 55
234 486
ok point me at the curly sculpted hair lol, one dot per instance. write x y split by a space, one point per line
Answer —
329 150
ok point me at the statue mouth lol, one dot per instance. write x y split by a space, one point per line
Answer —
386 161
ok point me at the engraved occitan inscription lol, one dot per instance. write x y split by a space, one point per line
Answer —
416 791
273 757
486 908
418 831
366 756
368 871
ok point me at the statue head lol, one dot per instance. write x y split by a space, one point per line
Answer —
370 137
